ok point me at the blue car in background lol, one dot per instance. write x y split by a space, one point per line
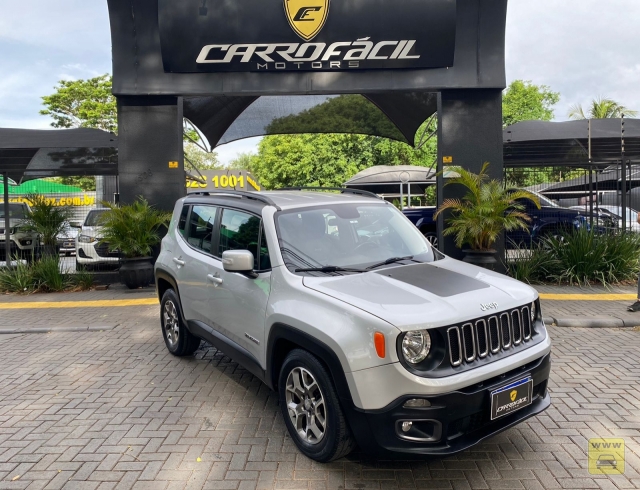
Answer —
550 220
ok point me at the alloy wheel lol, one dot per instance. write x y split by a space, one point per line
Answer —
306 406
171 323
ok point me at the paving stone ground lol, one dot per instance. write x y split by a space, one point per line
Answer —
106 410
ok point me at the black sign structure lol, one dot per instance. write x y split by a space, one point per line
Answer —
306 35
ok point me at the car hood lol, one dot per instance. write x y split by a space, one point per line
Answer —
92 231
426 295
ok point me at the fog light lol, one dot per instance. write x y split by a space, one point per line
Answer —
406 426
416 403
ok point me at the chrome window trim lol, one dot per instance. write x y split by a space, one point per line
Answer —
495 351
505 345
454 363
467 357
484 326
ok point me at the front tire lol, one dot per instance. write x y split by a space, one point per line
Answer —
179 341
311 409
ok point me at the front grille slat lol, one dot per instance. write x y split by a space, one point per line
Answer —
482 338
516 327
469 342
455 351
505 330
494 334
526 323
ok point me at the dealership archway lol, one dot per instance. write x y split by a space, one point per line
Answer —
169 57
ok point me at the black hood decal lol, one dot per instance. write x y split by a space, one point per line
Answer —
433 279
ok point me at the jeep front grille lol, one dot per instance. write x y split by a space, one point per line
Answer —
455 354
483 337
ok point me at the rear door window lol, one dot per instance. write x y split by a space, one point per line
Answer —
201 227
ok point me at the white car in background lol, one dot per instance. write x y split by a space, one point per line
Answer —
632 217
90 252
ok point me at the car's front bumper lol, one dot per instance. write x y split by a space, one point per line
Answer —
456 420
88 253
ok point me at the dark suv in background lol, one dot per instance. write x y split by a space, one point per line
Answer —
550 220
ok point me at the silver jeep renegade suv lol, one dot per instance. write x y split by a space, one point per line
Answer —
368 334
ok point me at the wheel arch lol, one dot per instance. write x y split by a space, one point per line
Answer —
164 281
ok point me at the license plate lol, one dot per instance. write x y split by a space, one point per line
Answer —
68 245
510 398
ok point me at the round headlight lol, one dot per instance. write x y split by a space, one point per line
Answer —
534 312
416 345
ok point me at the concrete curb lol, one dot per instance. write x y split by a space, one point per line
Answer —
11 330
582 322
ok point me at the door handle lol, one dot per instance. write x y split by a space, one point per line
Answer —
178 261
215 280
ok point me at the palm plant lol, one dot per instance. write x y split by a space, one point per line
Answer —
486 210
134 229
46 219
601 108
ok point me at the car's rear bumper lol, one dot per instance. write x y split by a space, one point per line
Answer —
456 420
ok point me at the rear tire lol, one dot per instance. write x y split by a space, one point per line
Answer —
179 341
311 408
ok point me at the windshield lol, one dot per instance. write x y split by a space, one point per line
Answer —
348 235
545 201
16 211
93 218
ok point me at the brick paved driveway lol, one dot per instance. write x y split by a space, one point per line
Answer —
115 410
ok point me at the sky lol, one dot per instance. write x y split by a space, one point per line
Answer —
580 48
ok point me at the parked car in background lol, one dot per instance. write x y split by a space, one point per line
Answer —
23 243
90 251
66 240
632 216
550 220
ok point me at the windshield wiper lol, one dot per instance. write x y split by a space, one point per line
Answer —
328 269
392 260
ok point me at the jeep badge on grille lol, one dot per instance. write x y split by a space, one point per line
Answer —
489 306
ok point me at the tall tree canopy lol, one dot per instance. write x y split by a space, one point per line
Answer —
601 108
525 101
82 104
330 158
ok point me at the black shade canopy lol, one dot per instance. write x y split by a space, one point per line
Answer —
28 153
397 116
542 143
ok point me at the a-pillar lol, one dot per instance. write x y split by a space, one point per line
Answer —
469 134
150 154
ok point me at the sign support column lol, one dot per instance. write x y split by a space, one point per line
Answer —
469 134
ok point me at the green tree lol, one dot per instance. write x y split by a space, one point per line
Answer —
525 101
82 104
244 161
85 182
200 159
601 108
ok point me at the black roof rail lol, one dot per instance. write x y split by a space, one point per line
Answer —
344 190
238 195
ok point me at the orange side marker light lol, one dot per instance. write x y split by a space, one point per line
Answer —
379 342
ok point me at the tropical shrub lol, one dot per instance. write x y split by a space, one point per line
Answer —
486 210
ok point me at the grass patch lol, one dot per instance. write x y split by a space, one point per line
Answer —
42 276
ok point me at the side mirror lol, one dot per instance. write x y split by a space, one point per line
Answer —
238 261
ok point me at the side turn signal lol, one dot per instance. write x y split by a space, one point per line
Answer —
379 342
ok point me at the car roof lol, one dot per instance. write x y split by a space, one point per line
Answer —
283 200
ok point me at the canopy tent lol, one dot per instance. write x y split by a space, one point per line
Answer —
31 153
392 181
396 116
39 186
542 143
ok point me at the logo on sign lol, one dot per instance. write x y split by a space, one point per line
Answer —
513 395
307 17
